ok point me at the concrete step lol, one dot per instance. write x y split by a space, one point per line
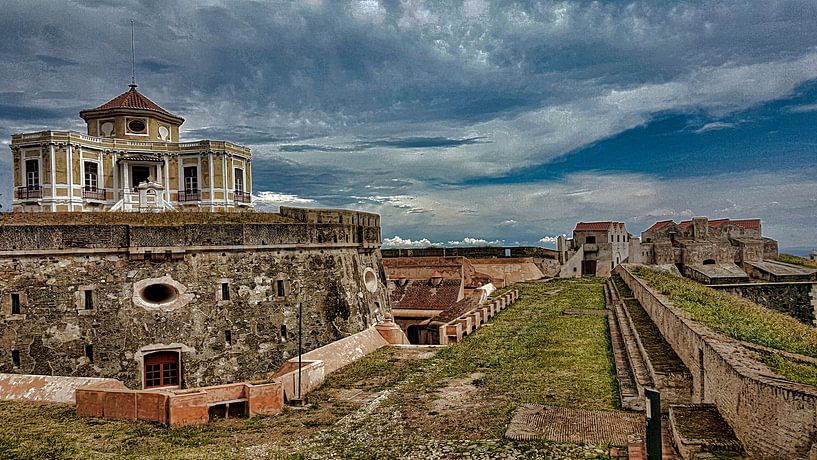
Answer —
699 432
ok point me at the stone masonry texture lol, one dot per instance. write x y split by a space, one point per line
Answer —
73 301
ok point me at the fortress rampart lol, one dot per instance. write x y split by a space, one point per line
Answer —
208 298
772 417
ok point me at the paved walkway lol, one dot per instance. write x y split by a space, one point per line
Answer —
535 422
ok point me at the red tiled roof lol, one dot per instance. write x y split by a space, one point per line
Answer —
659 226
717 223
593 226
747 223
131 99
464 305
421 294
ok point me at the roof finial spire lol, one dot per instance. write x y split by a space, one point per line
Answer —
133 59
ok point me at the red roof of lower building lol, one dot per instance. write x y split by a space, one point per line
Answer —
717 223
747 223
659 226
421 294
595 226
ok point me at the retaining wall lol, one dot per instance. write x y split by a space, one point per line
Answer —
774 418
796 299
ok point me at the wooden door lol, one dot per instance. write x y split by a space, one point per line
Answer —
588 268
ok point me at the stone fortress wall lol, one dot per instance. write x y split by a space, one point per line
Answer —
94 300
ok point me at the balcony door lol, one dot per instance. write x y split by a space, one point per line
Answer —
140 174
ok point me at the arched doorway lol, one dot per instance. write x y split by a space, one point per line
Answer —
162 369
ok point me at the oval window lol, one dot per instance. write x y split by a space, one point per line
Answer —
370 280
136 126
159 293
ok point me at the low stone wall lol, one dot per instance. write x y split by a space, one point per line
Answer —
454 330
796 299
48 388
773 417
181 407
510 271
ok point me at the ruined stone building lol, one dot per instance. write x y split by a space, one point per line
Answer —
595 249
711 251
131 158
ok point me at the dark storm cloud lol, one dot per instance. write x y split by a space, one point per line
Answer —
28 113
458 92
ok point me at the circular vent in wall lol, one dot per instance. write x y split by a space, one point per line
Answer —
370 280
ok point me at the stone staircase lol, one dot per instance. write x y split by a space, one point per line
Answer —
630 370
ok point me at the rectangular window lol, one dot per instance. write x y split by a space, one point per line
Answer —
89 352
590 239
279 288
33 174
228 337
15 358
153 376
171 374
191 179
225 291
16 308
239 180
91 176
88 299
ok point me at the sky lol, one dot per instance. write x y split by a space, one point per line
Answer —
461 122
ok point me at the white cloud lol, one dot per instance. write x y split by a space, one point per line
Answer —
415 14
803 108
397 242
714 126
548 239
469 241
403 202
276 198
368 10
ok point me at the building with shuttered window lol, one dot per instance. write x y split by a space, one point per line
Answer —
130 159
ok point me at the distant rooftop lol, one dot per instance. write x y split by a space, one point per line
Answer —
597 226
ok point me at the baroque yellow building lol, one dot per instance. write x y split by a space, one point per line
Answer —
131 159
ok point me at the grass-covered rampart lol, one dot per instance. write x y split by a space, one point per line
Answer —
797 260
741 319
